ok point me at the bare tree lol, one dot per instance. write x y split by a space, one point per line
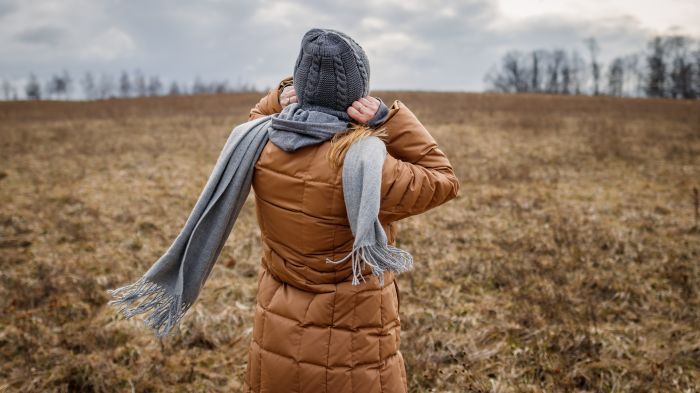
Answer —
68 84
155 87
140 84
536 70
33 88
593 50
577 66
220 87
174 89
124 85
554 69
681 71
656 65
199 87
566 77
512 77
8 90
106 87
59 85
696 78
242 86
88 85
616 77
633 76
47 90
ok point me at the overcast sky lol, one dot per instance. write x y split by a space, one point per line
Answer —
411 44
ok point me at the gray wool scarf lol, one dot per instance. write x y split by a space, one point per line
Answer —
172 284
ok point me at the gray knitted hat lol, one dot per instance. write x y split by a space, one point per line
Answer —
331 72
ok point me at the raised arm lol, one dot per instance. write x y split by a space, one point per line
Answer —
270 104
417 176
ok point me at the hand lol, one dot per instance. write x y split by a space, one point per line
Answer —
364 109
288 96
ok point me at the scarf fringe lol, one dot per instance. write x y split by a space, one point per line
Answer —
380 258
143 296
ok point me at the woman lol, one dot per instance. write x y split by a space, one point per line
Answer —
314 331
328 192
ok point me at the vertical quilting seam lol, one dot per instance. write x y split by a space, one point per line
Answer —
260 345
330 331
301 335
381 330
262 341
352 341
304 179
301 340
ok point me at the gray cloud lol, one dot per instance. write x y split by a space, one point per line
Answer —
412 44
6 9
45 35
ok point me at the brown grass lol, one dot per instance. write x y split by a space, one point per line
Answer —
570 262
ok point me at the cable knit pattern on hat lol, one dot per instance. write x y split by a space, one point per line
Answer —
342 95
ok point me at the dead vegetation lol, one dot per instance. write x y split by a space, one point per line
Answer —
570 262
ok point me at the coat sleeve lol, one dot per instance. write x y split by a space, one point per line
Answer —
416 176
270 104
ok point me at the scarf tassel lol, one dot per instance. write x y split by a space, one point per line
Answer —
143 296
380 258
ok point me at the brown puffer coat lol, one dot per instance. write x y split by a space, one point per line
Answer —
314 332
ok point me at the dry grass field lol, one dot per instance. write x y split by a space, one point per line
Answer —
569 263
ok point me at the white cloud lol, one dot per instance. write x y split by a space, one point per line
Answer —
109 45
394 41
372 23
287 14
651 14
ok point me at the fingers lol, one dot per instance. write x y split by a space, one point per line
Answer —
289 90
287 101
288 96
355 114
370 102
365 106
363 109
359 106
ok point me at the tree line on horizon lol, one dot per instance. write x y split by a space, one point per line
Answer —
669 67
62 86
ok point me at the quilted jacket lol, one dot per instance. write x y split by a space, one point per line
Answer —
313 331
